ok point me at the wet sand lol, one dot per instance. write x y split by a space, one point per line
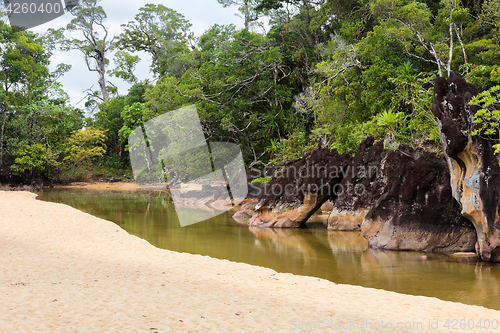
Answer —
67 271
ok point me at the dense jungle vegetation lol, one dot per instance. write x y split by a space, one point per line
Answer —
320 73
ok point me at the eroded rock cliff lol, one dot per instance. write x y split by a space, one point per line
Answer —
401 200
474 169
362 185
300 189
416 210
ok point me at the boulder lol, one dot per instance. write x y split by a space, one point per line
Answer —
246 212
37 183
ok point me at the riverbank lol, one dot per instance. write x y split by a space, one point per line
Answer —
126 186
67 271
103 186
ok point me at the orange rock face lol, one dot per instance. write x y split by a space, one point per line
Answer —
474 169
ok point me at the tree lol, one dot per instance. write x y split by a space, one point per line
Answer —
413 95
109 118
491 15
132 117
389 121
34 117
411 23
8 80
89 19
23 75
84 146
34 158
246 7
125 65
488 115
277 4
239 88
298 38
163 33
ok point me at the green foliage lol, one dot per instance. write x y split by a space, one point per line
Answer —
491 15
164 97
163 33
132 117
262 180
136 92
389 120
34 117
239 88
349 136
125 65
289 149
497 149
35 158
245 7
488 114
327 74
84 146
109 118
413 94
109 166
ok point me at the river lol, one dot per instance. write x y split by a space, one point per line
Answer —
341 257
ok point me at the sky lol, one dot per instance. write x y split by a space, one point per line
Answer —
202 14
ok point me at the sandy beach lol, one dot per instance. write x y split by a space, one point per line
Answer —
63 270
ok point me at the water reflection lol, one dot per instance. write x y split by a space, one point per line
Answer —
341 257
346 241
284 241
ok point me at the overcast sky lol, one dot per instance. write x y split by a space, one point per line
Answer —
202 14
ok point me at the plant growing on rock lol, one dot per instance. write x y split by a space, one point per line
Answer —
262 180
488 116
389 121
288 149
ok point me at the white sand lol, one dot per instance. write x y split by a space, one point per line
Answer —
66 271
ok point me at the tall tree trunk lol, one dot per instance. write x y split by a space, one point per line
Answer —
461 43
101 69
102 83
247 15
450 55
4 119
